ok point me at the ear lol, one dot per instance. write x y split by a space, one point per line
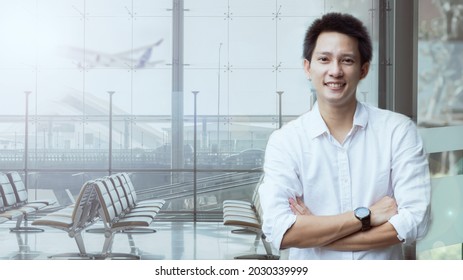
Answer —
364 70
307 68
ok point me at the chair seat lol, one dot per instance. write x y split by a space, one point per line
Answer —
236 202
250 215
145 209
35 205
238 206
11 214
149 203
241 221
65 212
46 202
54 221
26 209
149 214
130 222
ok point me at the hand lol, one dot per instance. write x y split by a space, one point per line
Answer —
383 210
298 207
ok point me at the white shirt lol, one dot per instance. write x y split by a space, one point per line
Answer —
381 156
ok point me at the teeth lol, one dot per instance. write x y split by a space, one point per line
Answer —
335 85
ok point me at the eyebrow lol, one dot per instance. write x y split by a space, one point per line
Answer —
351 55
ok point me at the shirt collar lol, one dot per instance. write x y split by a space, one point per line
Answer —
360 116
318 125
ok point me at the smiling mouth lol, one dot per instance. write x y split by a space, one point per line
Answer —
335 85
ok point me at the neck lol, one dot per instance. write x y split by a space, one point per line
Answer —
339 119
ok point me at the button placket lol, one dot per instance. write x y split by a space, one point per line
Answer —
344 180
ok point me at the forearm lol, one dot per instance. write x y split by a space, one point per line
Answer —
316 231
377 237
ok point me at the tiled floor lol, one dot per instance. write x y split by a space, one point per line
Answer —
172 241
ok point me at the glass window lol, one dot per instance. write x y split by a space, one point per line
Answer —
118 8
246 49
259 8
304 9
152 92
69 54
60 91
149 8
204 51
206 8
440 107
14 83
290 37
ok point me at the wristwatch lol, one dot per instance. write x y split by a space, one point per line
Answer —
363 214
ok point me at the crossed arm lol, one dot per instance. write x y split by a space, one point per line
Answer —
341 232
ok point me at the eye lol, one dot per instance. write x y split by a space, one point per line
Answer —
322 59
348 61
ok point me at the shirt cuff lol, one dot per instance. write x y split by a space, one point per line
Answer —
403 227
278 229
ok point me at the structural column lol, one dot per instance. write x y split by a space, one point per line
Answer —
177 90
195 155
280 115
110 153
26 140
398 56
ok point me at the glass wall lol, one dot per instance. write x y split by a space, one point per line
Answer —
440 116
71 54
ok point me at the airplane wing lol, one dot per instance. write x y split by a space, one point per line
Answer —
137 58
139 50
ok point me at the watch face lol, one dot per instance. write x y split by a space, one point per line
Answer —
362 212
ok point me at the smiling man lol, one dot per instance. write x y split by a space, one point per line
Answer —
345 180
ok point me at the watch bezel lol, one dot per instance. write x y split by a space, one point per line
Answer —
363 215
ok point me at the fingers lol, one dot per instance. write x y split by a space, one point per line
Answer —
298 207
292 206
294 210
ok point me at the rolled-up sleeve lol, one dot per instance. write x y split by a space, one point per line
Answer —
281 181
411 182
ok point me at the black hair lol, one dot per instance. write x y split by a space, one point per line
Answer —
342 23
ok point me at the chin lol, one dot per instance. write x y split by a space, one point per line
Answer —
339 100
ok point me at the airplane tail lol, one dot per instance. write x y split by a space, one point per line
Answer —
144 58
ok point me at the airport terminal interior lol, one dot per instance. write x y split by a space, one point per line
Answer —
171 103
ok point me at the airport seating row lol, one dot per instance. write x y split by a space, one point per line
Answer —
111 200
247 216
15 204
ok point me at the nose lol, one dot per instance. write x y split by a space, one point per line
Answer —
336 69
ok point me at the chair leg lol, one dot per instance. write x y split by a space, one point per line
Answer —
257 257
256 240
96 230
72 256
133 248
117 256
80 243
107 254
268 250
139 230
108 242
25 228
82 255
242 231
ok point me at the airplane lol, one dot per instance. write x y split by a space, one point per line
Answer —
86 59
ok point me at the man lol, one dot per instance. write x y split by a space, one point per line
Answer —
345 180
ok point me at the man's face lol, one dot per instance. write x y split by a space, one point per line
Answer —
335 69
